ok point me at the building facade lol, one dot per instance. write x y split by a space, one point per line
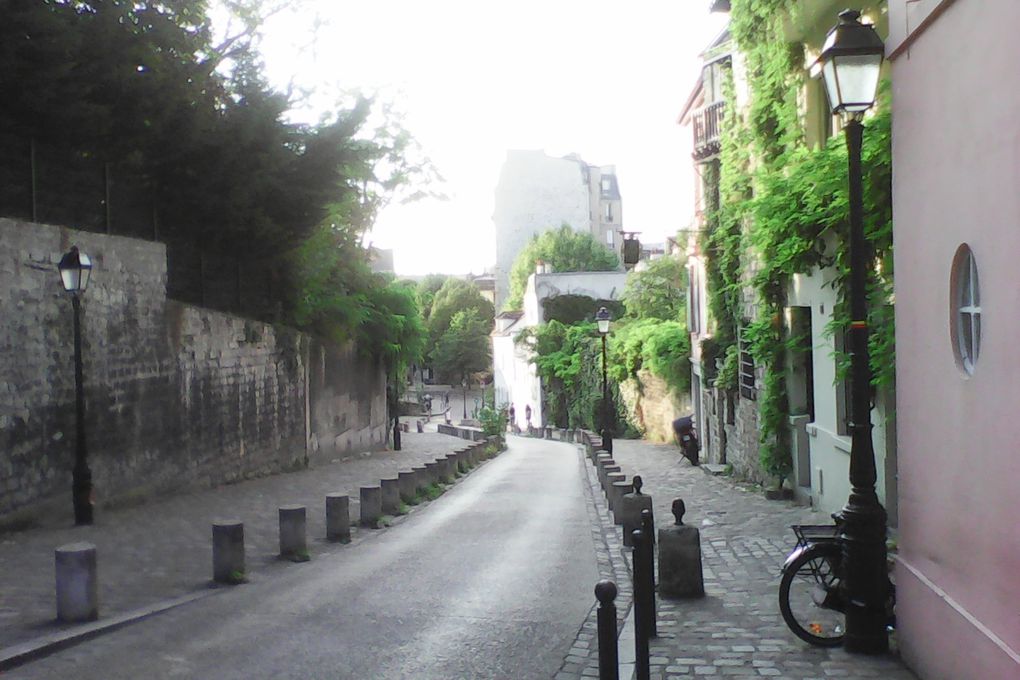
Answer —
728 418
537 192
957 167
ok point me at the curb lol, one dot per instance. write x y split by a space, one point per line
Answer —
17 655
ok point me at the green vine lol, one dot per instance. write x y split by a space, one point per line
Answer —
770 195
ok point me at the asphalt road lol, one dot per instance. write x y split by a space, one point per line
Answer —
492 580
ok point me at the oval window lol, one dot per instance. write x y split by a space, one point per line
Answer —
965 324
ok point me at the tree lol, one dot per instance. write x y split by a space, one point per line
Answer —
456 295
566 250
657 291
427 289
464 348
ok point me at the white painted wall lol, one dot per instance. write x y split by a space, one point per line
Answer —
514 375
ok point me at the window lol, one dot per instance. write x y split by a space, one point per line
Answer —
609 237
746 370
609 212
965 324
607 184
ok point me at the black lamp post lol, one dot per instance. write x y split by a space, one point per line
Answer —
603 317
851 60
75 268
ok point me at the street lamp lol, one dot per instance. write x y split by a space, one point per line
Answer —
851 60
75 268
603 317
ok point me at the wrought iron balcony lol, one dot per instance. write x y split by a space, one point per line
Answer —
707 124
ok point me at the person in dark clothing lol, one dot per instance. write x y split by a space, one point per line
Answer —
683 430
513 419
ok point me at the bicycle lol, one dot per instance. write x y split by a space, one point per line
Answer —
812 598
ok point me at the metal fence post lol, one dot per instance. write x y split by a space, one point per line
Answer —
609 658
641 618
648 528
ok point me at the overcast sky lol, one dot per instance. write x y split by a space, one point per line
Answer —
602 79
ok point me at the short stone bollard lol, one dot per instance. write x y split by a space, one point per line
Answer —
433 472
421 478
77 582
680 572
604 470
446 469
371 506
631 506
228 551
408 485
293 540
619 490
338 517
390 501
611 479
421 426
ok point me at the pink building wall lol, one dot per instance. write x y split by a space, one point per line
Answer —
956 165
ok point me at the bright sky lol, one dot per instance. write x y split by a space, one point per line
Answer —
475 78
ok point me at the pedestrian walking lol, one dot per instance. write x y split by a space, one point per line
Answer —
513 419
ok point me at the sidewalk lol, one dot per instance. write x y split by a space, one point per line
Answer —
150 554
736 629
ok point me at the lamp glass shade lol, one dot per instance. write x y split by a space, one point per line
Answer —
75 268
603 317
851 81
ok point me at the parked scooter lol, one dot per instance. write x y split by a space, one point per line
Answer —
686 439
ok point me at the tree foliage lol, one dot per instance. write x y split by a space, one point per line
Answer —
658 291
661 347
456 295
145 86
566 251
463 349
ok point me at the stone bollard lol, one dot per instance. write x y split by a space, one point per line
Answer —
408 485
338 517
606 471
631 506
620 489
445 469
390 502
228 551
433 471
77 582
421 478
548 432
599 458
293 541
680 573
421 426
611 479
371 506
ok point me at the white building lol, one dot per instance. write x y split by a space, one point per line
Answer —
537 192
514 376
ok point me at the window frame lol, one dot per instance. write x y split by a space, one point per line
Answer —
965 309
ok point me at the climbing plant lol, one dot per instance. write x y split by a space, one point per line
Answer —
776 208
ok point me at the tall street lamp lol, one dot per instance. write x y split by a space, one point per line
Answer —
603 317
851 60
75 268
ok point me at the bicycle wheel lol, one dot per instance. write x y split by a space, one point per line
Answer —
810 598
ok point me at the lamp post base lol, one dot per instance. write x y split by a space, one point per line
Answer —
867 577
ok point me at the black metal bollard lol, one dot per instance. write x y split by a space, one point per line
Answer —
609 658
642 591
648 529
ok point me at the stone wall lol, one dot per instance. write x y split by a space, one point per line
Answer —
176 396
733 433
653 407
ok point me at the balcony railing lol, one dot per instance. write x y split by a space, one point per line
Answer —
707 126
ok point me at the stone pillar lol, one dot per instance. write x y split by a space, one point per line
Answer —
605 468
338 517
631 506
293 540
390 502
611 479
408 485
433 472
680 572
445 469
77 582
371 506
620 489
421 478
228 551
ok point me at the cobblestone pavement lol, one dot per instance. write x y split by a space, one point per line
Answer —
736 630
163 549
